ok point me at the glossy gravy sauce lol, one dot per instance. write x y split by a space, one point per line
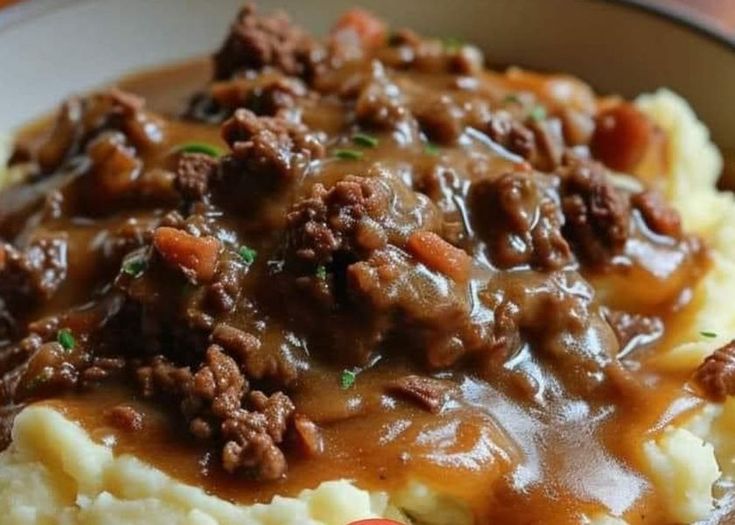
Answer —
510 461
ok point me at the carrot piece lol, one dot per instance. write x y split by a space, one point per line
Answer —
370 30
196 256
439 255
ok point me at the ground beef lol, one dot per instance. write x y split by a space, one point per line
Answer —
658 215
511 134
267 152
518 215
442 120
716 375
633 330
193 173
427 392
381 104
219 404
258 41
34 274
125 418
597 215
264 96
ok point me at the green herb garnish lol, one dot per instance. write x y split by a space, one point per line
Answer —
365 140
348 154
431 149
538 113
512 98
65 339
321 272
135 267
706 333
452 43
347 379
247 254
200 147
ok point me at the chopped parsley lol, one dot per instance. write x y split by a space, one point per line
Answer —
66 339
134 267
538 113
347 379
452 44
431 149
321 272
706 333
512 98
247 254
200 147
364 140
348 154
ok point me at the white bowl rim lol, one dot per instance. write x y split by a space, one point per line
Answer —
682 17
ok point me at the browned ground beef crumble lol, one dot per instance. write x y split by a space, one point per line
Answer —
217 282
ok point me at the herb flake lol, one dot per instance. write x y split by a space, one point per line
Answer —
66 339
365 140
431 149
347 379
200 147
348 154
321 272
134 267
512 98
538 113
452 43
247 254
707 333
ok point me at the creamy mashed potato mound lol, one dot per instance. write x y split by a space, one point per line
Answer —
54 473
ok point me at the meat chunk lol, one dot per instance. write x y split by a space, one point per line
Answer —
218 403
427 392
258 41
34 274
658 215
267 151
716 375
511 134
597 215
125 417
193 174
355 217
519 216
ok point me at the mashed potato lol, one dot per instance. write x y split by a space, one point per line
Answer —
54 473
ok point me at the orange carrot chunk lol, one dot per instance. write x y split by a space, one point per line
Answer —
369 29
196 256
439 255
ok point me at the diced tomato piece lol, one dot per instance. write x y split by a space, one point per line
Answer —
197 256
371 30
439 255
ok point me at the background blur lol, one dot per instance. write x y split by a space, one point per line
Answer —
720 13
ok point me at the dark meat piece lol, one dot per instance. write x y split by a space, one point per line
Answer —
427 392
193 174
382 105
518 215
511 134
597 215
357 216
82 119
267 95
35 274
307 436
125 417
218 404
633 330
442 120
267 151
658 215
257 41
716 375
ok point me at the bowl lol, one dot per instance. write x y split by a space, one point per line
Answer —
51 48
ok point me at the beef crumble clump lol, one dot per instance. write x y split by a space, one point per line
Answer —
716 375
